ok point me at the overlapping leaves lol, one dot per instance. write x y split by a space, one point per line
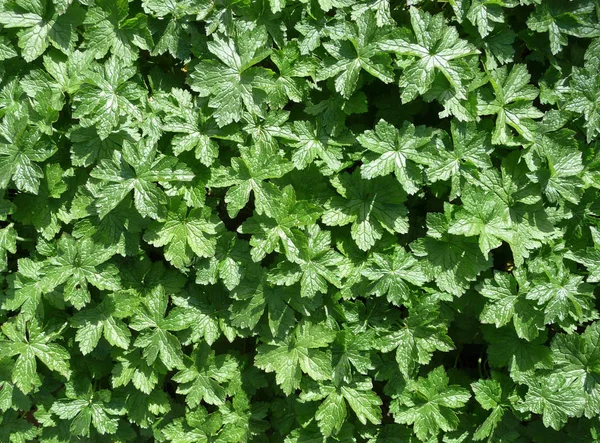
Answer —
294 220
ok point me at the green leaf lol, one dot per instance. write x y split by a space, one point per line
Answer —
357 50
228 263
429 404
577 357
154 325
278 232
41 26
506 302
555 398
77 264
392 273
85 408
434 47
507 349
316 265
451 161
22 147
99 321
109 28
8 244
562 295
494 395
455 261
311 143
332 412
485 218
255 296
205 378
139 169
584 96
31 343
200 134
420 335
372 206
235 66
561 19
108 94
186 233
249 173
395 150
296 354
512 103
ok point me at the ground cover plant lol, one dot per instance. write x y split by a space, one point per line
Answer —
299 220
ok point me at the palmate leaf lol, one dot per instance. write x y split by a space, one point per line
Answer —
101 321
512 105
506 302
589 257
205 311
564 296
249 174
41 25
107 94
255 297
561 180
21 148
556 398
312 142
200 134
333 410
561 19
521 356
357 50
481 217
434 47
109 28
292 67
77 264
138 168
228 264
315 266
577 358
583 98
352 353
454 261
155 326
8 244
419 335
391 274
186 233
529 221
235 65
429 403
296 354
45 211
452 160
371 206
205 378
395 150
30 343
486 13
277 232
175 37
84 408
24 289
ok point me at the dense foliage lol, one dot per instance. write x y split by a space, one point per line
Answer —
299 220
